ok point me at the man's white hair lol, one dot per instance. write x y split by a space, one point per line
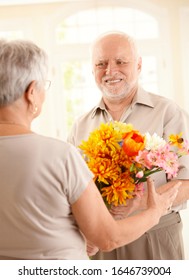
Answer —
120 34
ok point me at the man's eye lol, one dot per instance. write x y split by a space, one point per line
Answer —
101 65
121 62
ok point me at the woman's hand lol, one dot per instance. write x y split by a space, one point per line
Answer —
91 249
98 226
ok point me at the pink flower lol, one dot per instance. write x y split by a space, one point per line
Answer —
161 159
142 158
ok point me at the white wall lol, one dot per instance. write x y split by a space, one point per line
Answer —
184 22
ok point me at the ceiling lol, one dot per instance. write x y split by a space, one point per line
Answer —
25 2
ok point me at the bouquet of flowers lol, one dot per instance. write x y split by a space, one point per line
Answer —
121 159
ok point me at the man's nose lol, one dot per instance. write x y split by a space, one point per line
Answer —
111 68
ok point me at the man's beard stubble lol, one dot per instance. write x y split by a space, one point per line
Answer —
125 92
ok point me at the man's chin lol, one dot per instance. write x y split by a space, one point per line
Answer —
114 96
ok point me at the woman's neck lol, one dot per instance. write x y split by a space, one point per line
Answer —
15 114
13 128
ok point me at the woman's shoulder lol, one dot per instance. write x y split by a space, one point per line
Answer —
53 143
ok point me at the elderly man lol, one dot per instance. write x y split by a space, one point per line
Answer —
116 67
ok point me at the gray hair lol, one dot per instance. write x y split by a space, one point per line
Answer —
21 62
120 34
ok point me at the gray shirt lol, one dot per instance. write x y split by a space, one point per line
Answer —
147 113
40 178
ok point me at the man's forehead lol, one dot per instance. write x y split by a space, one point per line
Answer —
120 54
114 50
107 58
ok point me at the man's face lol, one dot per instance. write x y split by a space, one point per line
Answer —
116 67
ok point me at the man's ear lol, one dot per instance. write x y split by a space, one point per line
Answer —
139 64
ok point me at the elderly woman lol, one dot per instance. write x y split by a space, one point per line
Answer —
49 204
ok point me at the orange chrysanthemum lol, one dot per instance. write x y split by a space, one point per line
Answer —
103 169
109 163
121 189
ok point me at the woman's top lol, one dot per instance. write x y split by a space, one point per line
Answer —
40 177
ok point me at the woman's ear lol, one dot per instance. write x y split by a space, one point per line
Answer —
30 99
29 93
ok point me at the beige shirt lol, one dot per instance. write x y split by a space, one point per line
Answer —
148 113
40 178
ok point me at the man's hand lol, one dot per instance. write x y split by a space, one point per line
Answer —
122 211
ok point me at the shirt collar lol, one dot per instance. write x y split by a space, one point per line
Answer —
100 106
141 97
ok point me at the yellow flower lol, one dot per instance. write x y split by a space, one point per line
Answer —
102 141
120 190
107 160
103 169
176 140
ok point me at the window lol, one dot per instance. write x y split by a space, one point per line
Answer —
12 34
84 26
75 34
